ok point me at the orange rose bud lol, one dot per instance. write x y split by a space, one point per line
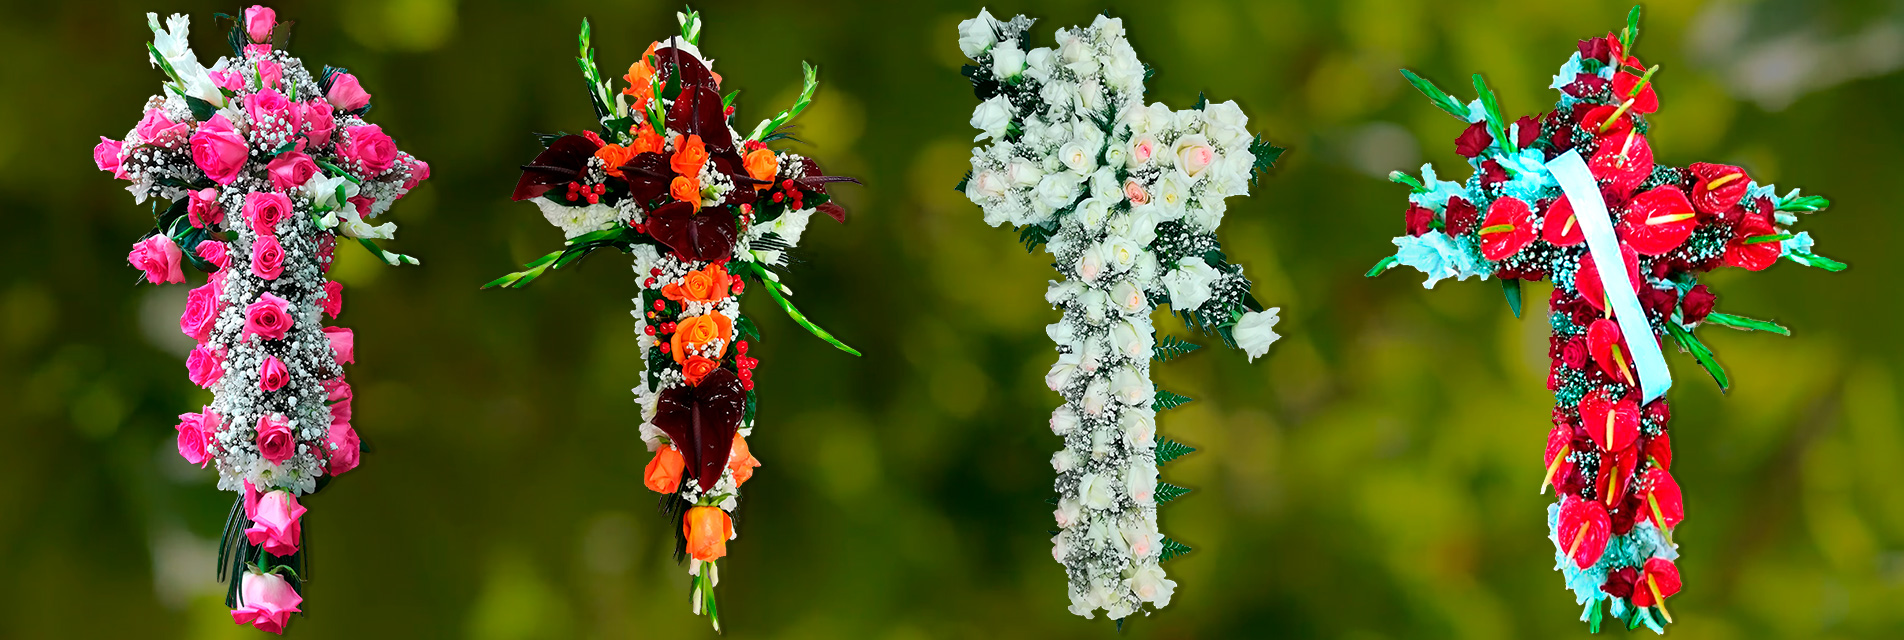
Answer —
689 156
706 285
697 368
695 333
763 165
741 461
707 529
664 471
687 190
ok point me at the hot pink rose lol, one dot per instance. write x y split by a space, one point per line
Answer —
270 75
344 447
343 344
201 312
159 131
219 150
259 21
214 252
346 93
269 317
267 602
267 258
333 298
369 147
274 523
257 50
272 375
229 79
290 170
337 393
271 111
319 121
159 257
203 209
106 155
275 441
419 171
195 432
204 366
263 211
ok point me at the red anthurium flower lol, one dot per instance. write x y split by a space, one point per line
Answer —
1719 187
1559 445
1755 256
1587 279
1561 228
1658 221
1508 228
1597 117
1659 579
1616 483
1609 350
1644 102
701 421
1623 161
1613 423
707 236
1583 531
1663 505
1660 448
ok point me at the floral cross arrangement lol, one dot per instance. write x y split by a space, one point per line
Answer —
1559 198
1127 199
703 210
264 165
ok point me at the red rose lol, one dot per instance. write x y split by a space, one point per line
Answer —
1697 305
1660 301
1420 218
1574 353
1585 85
1619 582
1474 140
1492 173
1596 49
1528 132
1460 216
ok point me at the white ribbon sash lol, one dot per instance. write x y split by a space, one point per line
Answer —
1590 210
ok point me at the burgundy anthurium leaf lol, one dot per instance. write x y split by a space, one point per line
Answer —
693 73
707 236
834 211
557 165
701 421
648 175
699 112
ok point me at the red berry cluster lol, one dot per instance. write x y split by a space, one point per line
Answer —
745 363
787 194
592 193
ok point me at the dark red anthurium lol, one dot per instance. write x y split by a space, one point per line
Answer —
701 421
1718 187
707 236
1658 221
1562 228
1508 227
560 164
1659 579
1609 350
1583 530
1754 256
1663 505
1613 423
1623 161
1587 279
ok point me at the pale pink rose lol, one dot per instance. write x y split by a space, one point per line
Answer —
204 366
369 147
159 131
195 431
267 258
272 375
230 79
267 602
343 344
290 170
1142 150
275 441
106 156
201 312
214 252
333 300
345 448
271 111
1194 157
1135 191
270 75
259 20
219 150
419 171
264 210
159 257
346 93
269 317
319 121
203 209
274 523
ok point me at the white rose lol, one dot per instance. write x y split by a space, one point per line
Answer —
1090 265
1124 72
993 118
1129 298
1143 541
1094 302
1137 117
1132 341
1206 216
1092 213
1105 185
1140 427
1097 397
1225 115
1073 49
1060 94
1119 609
1061 292
1060 547
1057 190
1131 388
1141 481
1078 157
1143 150
1090 92
1116 155
1143 226
1171 194
986 187
1096 492
1023 172
1008 62
1061 332
1189 284
976 36
1120 254
1081 604
1039 63
1194 156
1067 512
1150 585
1064 461
1060 374
1107 27
1064 420
1101 443
1092 356
1256 331
1146 269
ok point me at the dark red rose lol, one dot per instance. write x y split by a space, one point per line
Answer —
1596 49
1619 582
1529 131
1585 85
1627 515
1697 305
1420 218
1492 173
1659 301
1474 140
1460 216
1574 354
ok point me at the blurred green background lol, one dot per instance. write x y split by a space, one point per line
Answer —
1372 478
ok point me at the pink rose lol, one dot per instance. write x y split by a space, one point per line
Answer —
337 393
159 257
204 366
201 312
271 111
369 147
203 209
362 204
270 74
346 93
290 170
106 155
257 50
272 375
259 21
267 258
419 171
343 344
1194 156
269 317
267 602
333 300
319 121
159 131
214 252
1134 190
263 211
344 446
275 441
195 436
230 79
274 523
219 150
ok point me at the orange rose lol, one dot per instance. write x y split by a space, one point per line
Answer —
706 285
697 368
708 529
763 165
687 190
664 471
741 462
689 155
614 156
646 140
695 333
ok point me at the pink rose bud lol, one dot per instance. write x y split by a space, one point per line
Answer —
419 171
263 211
204 366
344 448
257 50
159 257
266 602
267 258
203 209
201 312
219 150
368 147
106 155
259 20
195 431
269 317
346 93
272 375
274 523
271 111
290 170
214 252
343 344
319 121
333 298
230 79
275 441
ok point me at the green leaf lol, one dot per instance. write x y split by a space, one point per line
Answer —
1746 324
1700 352
963 181
1437 96
1167 400
1815 260
201 110
1171 347
1032 235
1512 288
1167 492
1803 204
1632 32
1593 616
1497 124
810 84
1168 450
528 274
1173 549
746 329
773 291
1266 154
1382 266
